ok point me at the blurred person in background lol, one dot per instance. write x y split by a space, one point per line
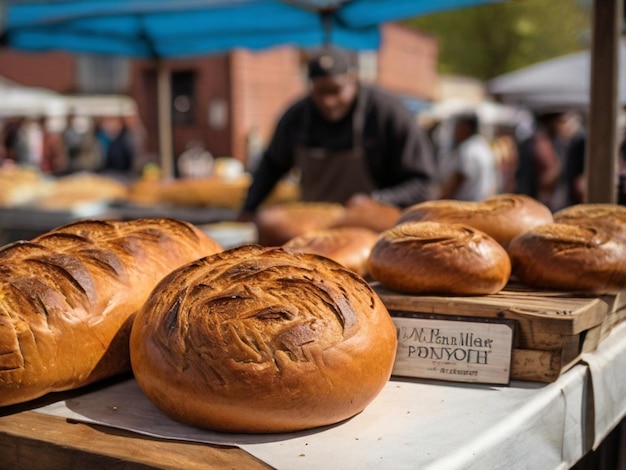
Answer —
73 136
473 170
542 171
122 149
575 169
351 143
29 143
10 132
54 156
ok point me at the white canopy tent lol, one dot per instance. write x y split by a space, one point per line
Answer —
560 83
21 101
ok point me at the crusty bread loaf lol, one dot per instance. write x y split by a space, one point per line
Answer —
257 339
369 214
349 246
611 217
439 258
210 191
502 216
446 210
583 257
68 296
280 223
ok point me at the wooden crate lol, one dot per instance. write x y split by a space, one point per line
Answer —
553 329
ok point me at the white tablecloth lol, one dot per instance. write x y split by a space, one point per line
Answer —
419 424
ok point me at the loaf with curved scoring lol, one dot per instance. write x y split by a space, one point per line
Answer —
582 257
280 223
258 339
67 299
502 216
349 246
611 217
439 258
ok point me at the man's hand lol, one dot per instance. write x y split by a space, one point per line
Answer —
360 199
245 217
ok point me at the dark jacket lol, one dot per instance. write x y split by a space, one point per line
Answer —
398 152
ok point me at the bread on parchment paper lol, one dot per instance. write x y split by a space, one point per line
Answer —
257 339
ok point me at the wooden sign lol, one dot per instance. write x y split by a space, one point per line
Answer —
459 350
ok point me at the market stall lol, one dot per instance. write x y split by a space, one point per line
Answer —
412 424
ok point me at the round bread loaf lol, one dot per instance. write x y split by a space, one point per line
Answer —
611 217
439 209
439 258
369 214
262 340
349 246
280 223
502 216
568 257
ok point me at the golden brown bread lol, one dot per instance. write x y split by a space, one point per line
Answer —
446 210
349 246
279 223
68 296
439 258
502 216
257 339
369 214
611 217
583 257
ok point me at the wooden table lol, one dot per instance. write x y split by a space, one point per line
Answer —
30 440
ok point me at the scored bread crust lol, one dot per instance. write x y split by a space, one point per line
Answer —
611 217
502 216
439 258
349 246
584 257
258 339
67 298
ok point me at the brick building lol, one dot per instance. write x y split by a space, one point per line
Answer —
221 100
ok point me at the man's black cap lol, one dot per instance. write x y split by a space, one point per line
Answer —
329 61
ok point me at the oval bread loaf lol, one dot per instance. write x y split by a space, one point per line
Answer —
502 216
612 217
583 257
439 258
349 246
369 214
257 339
280 223
67 299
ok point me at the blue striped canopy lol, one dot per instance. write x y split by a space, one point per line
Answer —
186 28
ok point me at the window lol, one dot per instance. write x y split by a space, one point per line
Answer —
102 74
183 97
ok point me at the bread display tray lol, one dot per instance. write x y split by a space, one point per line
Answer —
553 329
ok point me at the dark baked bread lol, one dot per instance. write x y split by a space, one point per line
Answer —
280 223
349 246
261 340
67 299
502 216
582 257
439 258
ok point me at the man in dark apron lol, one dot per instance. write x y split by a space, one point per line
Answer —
347 141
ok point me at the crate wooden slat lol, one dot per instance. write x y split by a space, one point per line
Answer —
553 328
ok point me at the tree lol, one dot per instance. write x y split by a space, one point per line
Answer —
489 40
